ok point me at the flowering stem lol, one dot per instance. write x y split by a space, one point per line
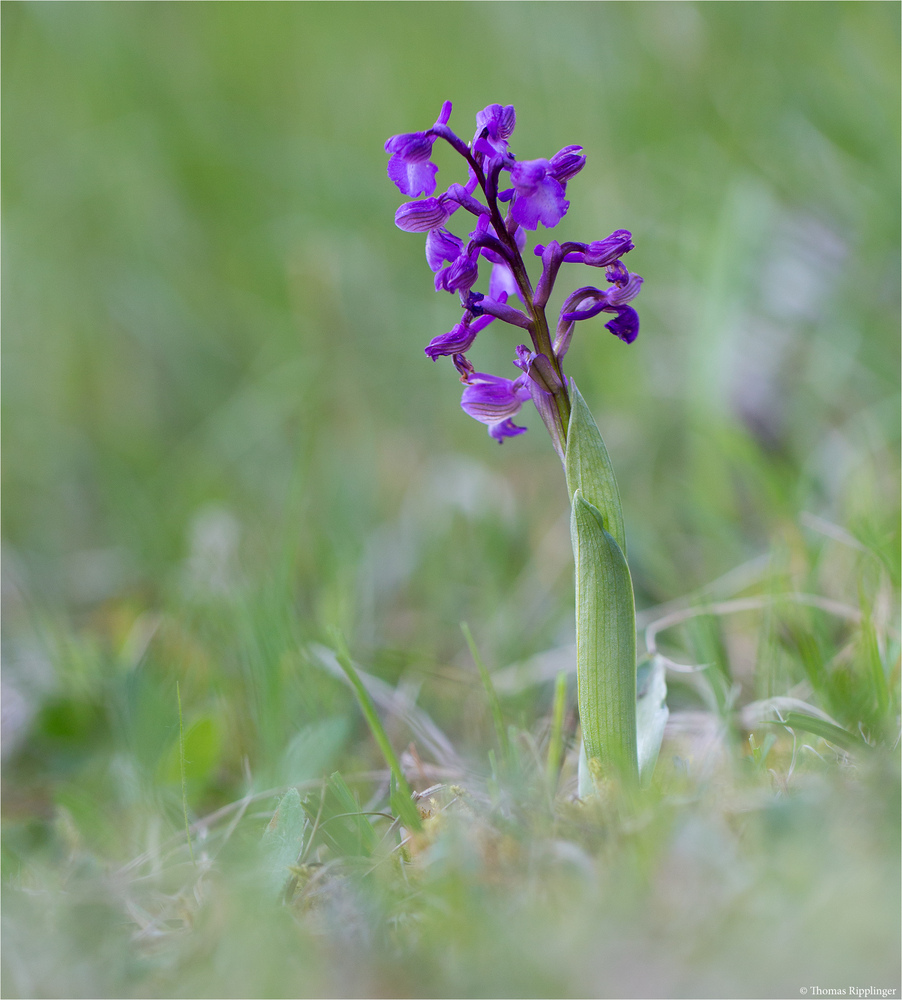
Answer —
539 332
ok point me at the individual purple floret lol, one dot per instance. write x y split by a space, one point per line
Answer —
494 126
567 163
442 246
537 196
601 253
534 195
493 400
410 167
460 339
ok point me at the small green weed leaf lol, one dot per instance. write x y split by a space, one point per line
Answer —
760 754
588 467
283 841
605 643
651 715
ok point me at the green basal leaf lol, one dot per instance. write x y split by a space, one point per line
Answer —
588 467
605 643
651 715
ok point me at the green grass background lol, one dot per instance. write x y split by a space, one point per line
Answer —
221 439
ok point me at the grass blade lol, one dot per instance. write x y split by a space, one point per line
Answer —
491 694
556 739
408 812
826 730
182 773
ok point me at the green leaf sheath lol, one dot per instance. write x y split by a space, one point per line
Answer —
605 643
588 467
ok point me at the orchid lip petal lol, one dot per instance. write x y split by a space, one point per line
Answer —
507 428
412 177
538 197
625 325
491 399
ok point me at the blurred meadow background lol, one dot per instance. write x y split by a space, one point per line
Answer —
222 441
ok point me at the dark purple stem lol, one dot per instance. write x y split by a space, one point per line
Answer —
538 329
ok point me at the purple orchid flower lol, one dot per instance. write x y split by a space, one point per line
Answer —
494 400
460 339
567 163
601 253
625 325
461 274
544 383
410 166
494 126
442 246
536 195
